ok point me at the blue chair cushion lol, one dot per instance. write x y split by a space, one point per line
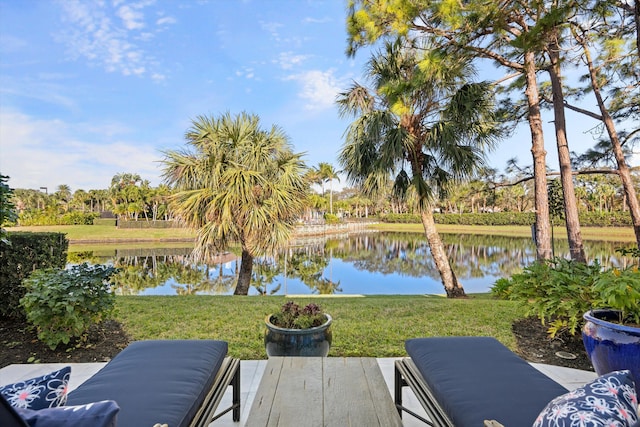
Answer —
46 391
478 378
158 381
8 415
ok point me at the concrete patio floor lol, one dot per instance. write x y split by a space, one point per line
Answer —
251 372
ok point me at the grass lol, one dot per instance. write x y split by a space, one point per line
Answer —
374 326
105 233
108 233
609 234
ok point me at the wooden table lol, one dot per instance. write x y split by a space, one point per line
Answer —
323 391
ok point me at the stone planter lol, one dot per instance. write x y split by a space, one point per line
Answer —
611 346
298 342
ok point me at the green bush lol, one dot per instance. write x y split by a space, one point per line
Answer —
63 304
331 219
78 218
19 256
148 224
401 218
51 217
620 289
560 291
587 219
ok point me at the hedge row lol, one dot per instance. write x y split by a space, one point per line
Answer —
592 219
69 218
147 224
24 253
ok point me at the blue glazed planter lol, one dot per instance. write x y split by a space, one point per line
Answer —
611 346
298 342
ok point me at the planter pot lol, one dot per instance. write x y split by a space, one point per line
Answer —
298 342
611 346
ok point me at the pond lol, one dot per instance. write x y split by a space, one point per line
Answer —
371 263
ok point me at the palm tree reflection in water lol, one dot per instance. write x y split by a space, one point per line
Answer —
367 263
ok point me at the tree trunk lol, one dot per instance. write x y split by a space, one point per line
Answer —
569 196
331 197
542 225
448 277
631 199
244 275
636 17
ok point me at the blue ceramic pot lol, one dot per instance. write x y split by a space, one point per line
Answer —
611 346
298 342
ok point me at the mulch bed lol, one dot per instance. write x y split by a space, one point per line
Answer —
534 345
19 344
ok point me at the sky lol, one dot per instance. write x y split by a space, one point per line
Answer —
93 88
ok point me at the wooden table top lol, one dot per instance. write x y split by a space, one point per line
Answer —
323 391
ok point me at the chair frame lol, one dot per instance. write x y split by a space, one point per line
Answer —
406 374
228 375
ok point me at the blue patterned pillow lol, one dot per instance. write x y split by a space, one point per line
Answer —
609 400
98 414
47 391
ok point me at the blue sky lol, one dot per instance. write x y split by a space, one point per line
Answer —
92 88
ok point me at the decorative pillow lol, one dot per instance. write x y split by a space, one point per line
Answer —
47 391
609 400
98 414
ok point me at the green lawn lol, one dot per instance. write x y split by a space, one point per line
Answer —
104 233
610 234
374 326
108 233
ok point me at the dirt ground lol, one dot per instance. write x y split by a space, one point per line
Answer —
19 344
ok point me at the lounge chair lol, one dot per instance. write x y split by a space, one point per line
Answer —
463 381
174 382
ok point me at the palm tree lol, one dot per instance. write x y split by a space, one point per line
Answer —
238 184
63 195
422 123
327 173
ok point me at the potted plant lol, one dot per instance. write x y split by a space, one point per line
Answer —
611 334
296 331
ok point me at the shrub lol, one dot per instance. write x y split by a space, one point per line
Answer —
593 219
331 219
19 257
64 304
557 291
620 289
560 291
78 218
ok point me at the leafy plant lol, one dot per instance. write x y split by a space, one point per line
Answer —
560 291
291 316
63 304
331 219
620 290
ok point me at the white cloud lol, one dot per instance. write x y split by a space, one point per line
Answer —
49 153
287 60
165 20
310 20
272 28
107 34
319 88
132 19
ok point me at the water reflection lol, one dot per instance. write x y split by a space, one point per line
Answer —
367 263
